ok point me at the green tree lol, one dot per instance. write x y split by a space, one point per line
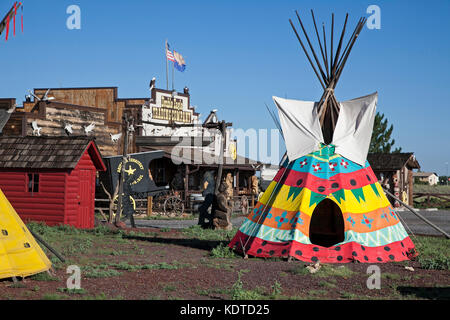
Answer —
443 180
381 141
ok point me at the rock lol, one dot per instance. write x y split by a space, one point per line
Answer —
313 268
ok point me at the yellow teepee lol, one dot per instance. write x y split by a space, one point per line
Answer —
20 255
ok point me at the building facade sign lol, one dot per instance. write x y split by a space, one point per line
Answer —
167 109
171 114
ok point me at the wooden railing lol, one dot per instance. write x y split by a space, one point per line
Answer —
102 205
430 199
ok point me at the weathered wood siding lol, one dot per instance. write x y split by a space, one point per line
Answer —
14 126
101 98
56 118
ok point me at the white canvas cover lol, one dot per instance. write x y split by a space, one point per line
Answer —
303 134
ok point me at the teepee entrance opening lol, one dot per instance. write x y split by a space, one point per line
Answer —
327 224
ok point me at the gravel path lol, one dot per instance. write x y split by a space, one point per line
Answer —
439 217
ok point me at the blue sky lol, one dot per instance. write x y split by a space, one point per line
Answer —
241 53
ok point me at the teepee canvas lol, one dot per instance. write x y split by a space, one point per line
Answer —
325 203
20 255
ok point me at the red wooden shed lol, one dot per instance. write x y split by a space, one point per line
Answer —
51 179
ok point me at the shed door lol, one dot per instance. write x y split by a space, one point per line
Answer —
86 208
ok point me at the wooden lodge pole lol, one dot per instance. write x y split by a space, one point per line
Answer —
45 244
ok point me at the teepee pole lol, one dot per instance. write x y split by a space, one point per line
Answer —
320 45
324 107
45 244
348 47
332 41
325 48
349 41
311 47
359 29
307 55
333 122
338 50
418 215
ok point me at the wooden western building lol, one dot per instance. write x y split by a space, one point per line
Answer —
51 179
169 122
395 172
73 108
161 122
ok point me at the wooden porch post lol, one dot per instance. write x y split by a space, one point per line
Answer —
149 206
410 187
186 182
237 181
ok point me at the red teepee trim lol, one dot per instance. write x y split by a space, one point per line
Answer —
340 253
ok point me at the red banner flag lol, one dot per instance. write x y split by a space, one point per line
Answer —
14 18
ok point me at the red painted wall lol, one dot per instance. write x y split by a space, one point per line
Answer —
64 197
80 203
46 205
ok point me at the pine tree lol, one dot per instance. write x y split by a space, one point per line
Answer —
381 141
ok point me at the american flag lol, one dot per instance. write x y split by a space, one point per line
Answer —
169 54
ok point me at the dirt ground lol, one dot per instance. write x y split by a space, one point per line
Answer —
194 264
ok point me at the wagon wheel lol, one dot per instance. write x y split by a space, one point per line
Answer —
244 205
173 206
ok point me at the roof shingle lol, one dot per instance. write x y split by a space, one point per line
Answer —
392 161
42 152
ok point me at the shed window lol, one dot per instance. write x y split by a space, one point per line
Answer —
33 182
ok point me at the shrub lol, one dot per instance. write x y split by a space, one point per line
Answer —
222 251
439 262
239 293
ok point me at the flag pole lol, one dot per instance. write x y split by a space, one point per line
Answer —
167 68
173 73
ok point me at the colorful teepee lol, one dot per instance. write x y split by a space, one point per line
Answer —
325 203
20 255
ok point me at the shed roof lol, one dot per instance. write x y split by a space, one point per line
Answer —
424 174
47 152
392 161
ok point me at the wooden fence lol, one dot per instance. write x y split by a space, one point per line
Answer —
102 205
429 200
